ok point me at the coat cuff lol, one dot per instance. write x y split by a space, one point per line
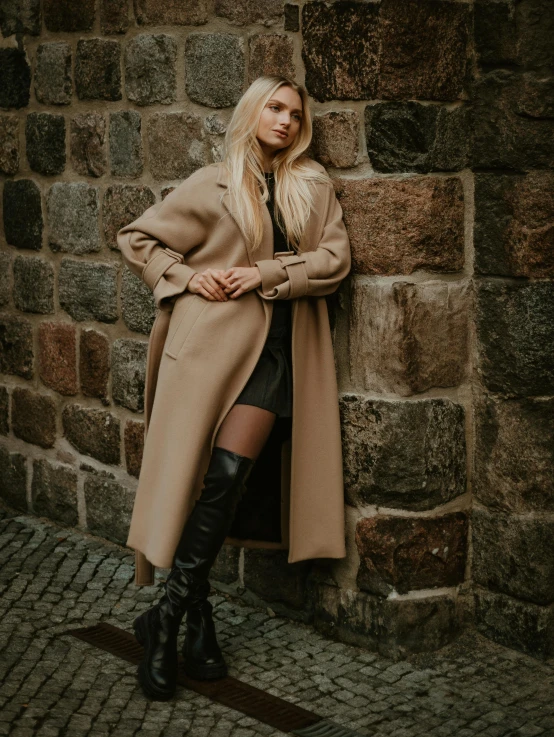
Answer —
172 282
283 277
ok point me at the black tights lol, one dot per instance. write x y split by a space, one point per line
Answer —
245 430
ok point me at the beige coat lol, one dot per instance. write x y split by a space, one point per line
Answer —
202 352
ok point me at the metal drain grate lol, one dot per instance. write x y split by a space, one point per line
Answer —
231 692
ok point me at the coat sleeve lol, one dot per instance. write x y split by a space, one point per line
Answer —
311 273
154 246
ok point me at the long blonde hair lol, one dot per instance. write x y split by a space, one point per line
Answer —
243 159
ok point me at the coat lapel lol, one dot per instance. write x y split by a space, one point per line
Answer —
266 246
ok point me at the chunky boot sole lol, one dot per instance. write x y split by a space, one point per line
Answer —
204 671
143 638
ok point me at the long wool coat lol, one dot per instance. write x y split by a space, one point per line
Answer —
202 352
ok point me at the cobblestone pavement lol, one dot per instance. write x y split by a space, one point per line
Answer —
54 579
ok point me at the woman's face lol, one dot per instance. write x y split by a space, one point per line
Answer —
282 112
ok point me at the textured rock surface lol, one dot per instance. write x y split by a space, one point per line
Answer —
407 338
399 226
408 455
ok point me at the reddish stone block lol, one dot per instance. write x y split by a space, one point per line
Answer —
134 446
398 226
57 354
271 54
403 554
94 364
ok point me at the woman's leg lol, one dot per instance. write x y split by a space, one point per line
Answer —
245 430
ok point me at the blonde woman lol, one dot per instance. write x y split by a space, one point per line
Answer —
239 257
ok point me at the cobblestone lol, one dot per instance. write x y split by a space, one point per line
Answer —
51 684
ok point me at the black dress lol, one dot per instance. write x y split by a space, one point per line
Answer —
270 385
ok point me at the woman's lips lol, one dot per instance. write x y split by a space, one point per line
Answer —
283 135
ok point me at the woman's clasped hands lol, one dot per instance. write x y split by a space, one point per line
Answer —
219 285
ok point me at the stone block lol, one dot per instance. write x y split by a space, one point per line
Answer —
126 153
267 574
404 455
22 210
57 356
513 121
88 290
402 554
150 69
9 148
122 204
409 136
335 138
54 493
5 277
45 142
243 12
129 373
513 554
408 337
514 454
134 446
98 69
15 78
16 346
67 15
292 17
72 209
109 508
13 479
512 233
271 53
53 73
33 285
21 17
515 337
138 308
535 28
516 624
425 50
171 13
94 364
400 226
393 627
87 144
495 33
214 68
33 417
340 50
178 145
114 16
94 432
4 411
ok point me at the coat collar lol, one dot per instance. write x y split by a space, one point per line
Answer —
266 248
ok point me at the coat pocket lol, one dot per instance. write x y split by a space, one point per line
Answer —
185 314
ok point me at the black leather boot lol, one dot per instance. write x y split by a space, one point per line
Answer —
203 535
187 586
157 630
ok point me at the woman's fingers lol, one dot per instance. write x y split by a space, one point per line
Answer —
213 286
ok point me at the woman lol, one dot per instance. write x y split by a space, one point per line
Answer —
239 258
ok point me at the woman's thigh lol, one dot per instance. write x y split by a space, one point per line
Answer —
245 430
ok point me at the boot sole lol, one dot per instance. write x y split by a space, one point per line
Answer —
150 689
206 672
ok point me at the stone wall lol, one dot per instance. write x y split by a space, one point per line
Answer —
435 120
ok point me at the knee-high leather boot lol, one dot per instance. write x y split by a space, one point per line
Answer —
202 538
187 586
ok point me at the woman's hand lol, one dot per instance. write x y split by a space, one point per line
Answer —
241 279
210 284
